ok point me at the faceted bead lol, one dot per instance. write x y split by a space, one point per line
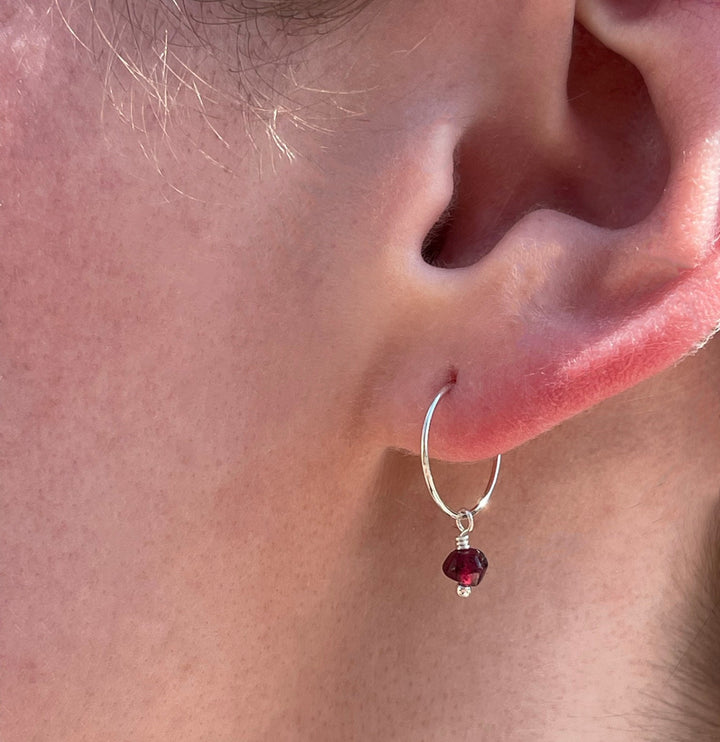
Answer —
465 566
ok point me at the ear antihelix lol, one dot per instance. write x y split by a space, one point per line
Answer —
607 164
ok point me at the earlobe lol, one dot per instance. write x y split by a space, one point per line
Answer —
569 306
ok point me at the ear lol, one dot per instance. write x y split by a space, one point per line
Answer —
580 257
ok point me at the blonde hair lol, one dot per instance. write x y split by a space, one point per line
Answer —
164 59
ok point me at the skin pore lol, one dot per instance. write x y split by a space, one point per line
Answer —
219 338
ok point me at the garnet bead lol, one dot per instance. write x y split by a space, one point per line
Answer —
465 566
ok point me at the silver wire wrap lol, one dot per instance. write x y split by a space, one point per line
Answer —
425 459
463 540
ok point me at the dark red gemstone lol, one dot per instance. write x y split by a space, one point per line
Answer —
465 566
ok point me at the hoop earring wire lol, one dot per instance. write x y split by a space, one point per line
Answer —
425 458
465 565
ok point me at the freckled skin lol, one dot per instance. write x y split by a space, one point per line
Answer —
214 358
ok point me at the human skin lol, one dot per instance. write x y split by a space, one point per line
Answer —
213 380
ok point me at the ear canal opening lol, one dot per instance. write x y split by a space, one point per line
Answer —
432 245
607 163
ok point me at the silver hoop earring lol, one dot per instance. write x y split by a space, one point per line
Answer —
465 565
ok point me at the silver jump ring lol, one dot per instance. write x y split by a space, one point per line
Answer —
424 457
468 516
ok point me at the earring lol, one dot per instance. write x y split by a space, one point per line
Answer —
465 565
